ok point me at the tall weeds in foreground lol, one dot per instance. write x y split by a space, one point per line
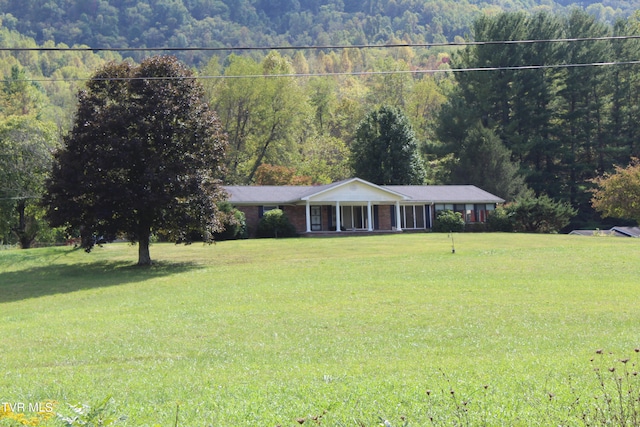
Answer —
617 402
100 415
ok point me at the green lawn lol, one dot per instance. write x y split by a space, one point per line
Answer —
352 329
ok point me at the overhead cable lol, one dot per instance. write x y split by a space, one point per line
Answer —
350 73
311 47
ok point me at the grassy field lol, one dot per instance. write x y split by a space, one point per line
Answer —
350 331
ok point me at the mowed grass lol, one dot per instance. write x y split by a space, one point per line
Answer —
351 330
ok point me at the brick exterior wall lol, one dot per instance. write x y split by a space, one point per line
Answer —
384 217
251 214
297 217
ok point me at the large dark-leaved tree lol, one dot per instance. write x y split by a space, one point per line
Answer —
385 150
144 155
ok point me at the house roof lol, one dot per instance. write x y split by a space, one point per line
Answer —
615 231
446 193
627 231
287 194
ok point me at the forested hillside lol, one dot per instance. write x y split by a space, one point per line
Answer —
217 23
292 115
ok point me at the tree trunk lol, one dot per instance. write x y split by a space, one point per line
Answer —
24 236
144 259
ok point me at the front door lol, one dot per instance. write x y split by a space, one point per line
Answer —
316 218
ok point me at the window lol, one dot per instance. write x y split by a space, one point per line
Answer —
412 216
469 213
352 217
481 214
267 208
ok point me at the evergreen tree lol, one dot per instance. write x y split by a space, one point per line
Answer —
484 161
385 151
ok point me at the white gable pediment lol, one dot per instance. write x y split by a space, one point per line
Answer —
355 190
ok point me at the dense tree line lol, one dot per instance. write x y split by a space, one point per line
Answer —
561 126
37 102
181 23
549 130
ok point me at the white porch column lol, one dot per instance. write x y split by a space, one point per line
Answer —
369 217
308 215
338 219
398 220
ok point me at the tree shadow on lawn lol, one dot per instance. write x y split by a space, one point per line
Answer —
61 278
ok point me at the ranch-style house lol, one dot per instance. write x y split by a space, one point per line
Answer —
360 206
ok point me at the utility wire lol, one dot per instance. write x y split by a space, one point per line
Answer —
311 47
336 47
352 73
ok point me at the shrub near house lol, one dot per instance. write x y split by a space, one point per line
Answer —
447 221
274 223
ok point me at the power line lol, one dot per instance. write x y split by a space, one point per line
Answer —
312 47
334 47
351 73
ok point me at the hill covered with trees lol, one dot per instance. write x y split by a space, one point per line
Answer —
295 113
225 23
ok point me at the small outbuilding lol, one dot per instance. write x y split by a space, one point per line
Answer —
361 206
614 231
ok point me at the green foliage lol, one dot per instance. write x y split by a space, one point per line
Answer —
280 175
485 162
177 23
145 154
385 151
448 221
531 214
274 223
26 147
154 23
501 219
618 194
262 116
99 415
233 223
540 214
561 127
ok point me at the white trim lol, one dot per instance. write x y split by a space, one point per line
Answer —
393 195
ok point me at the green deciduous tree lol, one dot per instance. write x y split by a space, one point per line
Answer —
618 194
385 151
19 96
262 115
280 175
26 155
145 154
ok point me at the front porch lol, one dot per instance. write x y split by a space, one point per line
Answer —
360 217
